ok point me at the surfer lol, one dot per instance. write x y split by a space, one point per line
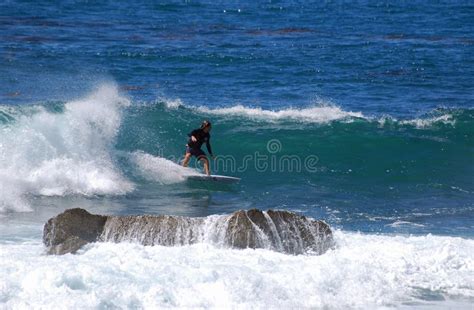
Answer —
196 139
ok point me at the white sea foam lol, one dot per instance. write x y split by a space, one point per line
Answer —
317 114
399 223
363 271
159 169
68 152
321 113
427 122
172 103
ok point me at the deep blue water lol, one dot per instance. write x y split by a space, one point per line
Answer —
381 93
399 59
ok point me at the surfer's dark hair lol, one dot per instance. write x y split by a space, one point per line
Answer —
205 124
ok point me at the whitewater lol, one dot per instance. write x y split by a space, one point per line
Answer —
363 271
67 152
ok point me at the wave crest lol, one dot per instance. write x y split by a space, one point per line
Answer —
316 114
323 113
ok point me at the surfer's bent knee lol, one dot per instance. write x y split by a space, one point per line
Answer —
203 158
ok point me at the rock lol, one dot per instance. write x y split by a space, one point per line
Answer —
152 230
70 230
280 231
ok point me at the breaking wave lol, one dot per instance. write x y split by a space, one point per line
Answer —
76 147
63 151
323 112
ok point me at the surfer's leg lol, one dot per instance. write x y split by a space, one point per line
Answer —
205 161
187 158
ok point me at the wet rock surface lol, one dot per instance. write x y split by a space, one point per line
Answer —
70 230
280 230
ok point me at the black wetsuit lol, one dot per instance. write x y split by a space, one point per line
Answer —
195 147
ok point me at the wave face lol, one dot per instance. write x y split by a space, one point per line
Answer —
321 160
359 160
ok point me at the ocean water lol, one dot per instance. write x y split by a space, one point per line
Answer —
359 114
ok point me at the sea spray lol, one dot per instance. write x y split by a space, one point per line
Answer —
56 153
159 169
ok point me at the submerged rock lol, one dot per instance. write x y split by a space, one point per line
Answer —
280 231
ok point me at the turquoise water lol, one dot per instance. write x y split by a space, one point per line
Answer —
357 114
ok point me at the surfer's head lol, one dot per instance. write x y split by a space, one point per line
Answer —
206 126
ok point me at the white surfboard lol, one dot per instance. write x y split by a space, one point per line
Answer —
214 178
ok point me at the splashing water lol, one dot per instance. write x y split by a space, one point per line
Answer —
56 154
